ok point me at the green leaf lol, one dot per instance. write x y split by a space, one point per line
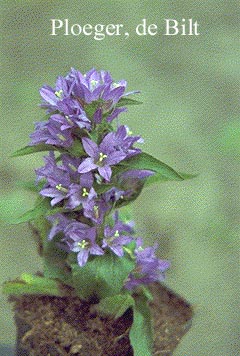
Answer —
126 214
102 276
102 188
54 262
31 186
159 177
30 284
116 305
76 149
188 175
141 333
91 108
33 149
40 209
146 161
127 101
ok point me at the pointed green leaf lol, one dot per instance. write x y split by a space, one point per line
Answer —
40 209
30 185
188 175
30 284
159 177
33 149
127 101
146 161
116 305
141 333
103 276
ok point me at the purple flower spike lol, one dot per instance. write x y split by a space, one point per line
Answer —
101 157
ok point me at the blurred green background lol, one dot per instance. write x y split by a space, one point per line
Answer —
189 119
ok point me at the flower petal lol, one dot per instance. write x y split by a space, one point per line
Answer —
82 257
105 172
87 165
90 147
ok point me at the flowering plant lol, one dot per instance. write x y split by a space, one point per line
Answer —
92 172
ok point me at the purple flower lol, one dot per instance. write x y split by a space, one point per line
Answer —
81 238
114 114
58 180
73 115
101 157
52 96
96 210
96 85
65 183
81 193
115 238
70 164
50 132
59 223
87 87
114 194
122 141
148 269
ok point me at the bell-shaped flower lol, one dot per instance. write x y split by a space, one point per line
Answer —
101 157
50 132
148 269
81 238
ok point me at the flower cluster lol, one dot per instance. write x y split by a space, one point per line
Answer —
86 180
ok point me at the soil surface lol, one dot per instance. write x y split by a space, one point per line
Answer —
61 326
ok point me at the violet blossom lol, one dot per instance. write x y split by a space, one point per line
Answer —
148 269
81 238
101 157
115 237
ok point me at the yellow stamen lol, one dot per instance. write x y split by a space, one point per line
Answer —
61 188
83 244
102 156
68 119
59 93
84 192
61 137
93 83
96 211
72 167
116 234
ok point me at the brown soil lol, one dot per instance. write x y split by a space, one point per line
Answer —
59 326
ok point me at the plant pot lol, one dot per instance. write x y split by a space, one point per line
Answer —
59 326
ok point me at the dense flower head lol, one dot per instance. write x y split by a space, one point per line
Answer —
76 104
84 177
